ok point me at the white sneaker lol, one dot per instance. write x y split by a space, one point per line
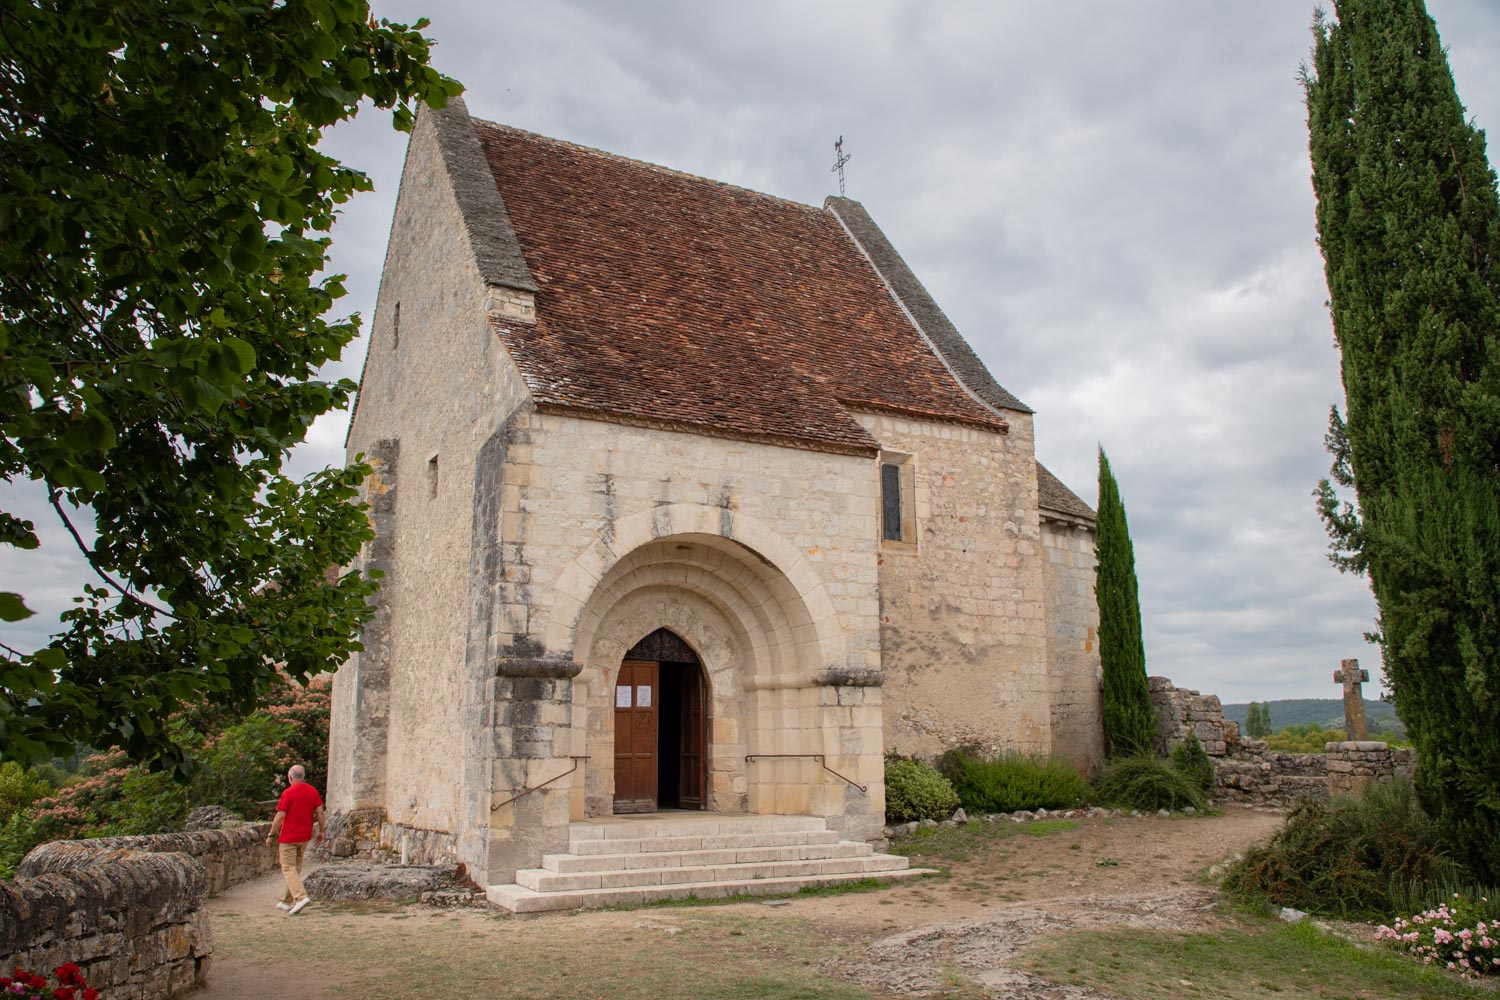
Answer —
298 906
283 906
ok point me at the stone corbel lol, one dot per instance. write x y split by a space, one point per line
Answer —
849 677
525 666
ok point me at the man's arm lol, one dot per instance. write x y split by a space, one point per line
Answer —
276 825
318 819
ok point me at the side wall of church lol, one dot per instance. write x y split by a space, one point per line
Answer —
1073 642
962 616
442 387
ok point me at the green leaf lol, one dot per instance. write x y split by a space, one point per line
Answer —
12 608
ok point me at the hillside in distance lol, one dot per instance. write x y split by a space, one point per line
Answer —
1380 715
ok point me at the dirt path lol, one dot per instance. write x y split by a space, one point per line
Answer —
916 939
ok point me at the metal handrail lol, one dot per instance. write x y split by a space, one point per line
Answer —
575 758
815 756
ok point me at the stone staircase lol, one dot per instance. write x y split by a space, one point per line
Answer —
681 855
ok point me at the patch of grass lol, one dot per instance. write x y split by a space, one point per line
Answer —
1288 961
958 843
711 955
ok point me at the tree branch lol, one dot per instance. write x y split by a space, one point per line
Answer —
88 554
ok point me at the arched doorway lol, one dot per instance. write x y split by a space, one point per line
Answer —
661 727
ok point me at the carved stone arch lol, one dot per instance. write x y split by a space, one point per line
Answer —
749 550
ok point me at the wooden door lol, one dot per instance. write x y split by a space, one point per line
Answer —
635 737
692 774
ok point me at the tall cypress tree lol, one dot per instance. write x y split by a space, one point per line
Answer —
1409 224
1129 722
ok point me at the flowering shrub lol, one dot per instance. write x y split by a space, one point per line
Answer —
24 985
1453 935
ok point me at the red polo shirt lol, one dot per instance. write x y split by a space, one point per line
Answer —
299 802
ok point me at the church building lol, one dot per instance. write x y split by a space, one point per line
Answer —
691 506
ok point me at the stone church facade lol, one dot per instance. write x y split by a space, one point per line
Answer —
686 497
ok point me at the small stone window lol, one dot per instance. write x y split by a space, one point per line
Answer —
432 476
897 507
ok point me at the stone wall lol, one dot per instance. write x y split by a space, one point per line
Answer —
127 910
1180 712
1073 666
963 629
1246 771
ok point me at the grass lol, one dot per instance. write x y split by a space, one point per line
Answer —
834 889
696 953
963 841
1264 959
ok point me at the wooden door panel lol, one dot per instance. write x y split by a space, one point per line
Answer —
635 737
692 774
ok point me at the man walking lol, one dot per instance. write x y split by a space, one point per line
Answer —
300 807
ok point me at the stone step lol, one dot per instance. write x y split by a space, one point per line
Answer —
569 863
519 899
688 825
542 880
580 844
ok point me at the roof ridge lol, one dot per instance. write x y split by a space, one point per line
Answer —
655 167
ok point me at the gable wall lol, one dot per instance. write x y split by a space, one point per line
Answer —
446 390
963 632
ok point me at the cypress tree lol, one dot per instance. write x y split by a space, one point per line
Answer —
1409 225
1129 722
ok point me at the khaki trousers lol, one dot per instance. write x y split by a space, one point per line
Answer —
291 856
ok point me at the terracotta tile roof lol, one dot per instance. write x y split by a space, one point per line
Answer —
1053 495
670 299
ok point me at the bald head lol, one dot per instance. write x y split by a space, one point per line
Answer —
296 773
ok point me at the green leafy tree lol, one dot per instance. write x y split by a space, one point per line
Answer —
1129 721
1409 224
1258 720
163 227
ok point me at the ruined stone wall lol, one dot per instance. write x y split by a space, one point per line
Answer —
1180 711
1073 666
963 629
127 910
1247 772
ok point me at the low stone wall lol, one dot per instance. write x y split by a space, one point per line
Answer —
229 857
132 921
126 910
1249 773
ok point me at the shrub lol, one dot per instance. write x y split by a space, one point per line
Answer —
1148 783
20 787
1308 737
914 791
1356 857
1192 762
1012 782
241 764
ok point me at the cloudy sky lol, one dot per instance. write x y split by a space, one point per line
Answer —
1111 201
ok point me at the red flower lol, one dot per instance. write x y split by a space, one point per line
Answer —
63 993
90 994
37 983
4 982
69 974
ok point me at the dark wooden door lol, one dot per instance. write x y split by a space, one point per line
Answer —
635 737
694 742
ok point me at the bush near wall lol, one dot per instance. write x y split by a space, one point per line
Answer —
916 791
1012 782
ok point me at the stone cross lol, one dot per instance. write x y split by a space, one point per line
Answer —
1354 700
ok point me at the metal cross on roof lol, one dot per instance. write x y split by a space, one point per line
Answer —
841 158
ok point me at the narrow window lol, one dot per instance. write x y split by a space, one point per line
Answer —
396 328
890 502
432 476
